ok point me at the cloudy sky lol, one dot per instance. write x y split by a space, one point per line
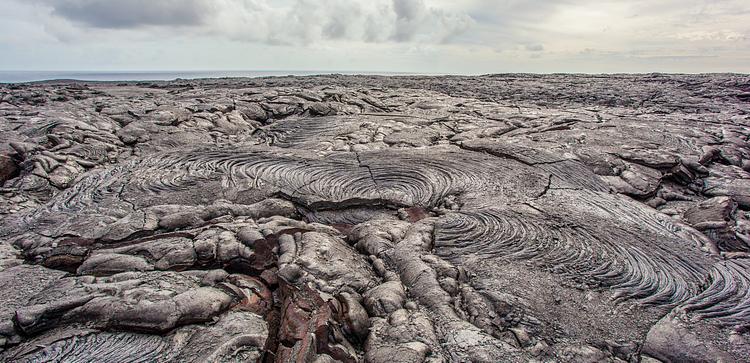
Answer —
426 36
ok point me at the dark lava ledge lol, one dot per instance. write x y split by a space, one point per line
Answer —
506 218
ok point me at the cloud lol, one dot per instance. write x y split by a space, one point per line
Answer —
712 35
414 18
131 13
309 22
289 22
401 35
534 47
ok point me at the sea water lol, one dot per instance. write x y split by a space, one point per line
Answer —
35 76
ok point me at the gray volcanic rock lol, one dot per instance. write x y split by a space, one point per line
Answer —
8 168
505 218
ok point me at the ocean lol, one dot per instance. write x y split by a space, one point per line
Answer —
34 76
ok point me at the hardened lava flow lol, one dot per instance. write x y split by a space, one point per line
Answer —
507 218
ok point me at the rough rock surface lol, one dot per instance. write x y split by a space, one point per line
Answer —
505 218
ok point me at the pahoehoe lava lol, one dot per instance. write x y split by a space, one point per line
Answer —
504 218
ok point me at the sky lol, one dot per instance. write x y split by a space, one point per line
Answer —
422 36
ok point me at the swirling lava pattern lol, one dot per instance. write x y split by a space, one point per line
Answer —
636 259
106 347
727 298
419 178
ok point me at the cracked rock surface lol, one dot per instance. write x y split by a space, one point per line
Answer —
508 218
